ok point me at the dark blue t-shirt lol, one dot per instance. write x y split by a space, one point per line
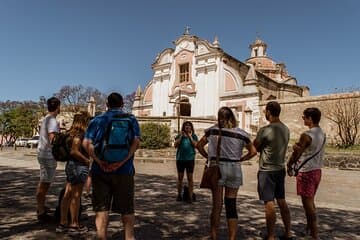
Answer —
96 132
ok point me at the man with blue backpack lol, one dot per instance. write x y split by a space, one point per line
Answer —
111 141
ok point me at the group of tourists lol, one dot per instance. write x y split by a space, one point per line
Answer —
102 153
226 143
112 181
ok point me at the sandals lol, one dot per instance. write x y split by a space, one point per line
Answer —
71 229
62 228
77 229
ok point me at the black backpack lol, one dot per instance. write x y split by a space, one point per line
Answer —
61 145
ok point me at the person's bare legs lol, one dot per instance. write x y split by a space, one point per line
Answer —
217 196
41 192
65 204
128 222
102 222
191 185
75 205
232 222
88 185
310 212
285 215
179 182
270 216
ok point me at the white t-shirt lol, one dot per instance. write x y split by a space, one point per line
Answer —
232 143
48 125
317 139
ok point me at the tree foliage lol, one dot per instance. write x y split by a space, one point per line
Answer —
18 119
345 113
155 136
128 102
21 119
77 97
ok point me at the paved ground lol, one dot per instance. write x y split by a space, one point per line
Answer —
159 216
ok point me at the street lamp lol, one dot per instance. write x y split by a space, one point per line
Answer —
178 105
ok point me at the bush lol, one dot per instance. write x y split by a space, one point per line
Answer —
155 136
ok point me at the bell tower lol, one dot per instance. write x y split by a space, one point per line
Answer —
258 48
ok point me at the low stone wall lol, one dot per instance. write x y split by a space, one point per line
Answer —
343 161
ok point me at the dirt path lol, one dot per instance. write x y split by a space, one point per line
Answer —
159 216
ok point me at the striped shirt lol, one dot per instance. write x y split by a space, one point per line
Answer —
233 140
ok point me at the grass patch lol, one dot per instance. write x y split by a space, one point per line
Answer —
355 149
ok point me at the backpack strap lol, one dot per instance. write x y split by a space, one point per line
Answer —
107 129
110 118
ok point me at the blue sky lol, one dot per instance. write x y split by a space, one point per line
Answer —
110 45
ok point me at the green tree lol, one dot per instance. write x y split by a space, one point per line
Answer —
155 136
18 120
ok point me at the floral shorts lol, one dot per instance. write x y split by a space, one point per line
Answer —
308 182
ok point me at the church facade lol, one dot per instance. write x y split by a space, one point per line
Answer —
197 77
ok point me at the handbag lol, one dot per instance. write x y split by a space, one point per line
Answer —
210 177
212 174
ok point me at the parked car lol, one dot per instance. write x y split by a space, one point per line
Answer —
21 142
33 142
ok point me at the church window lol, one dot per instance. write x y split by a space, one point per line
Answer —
256 52
184 72
185 107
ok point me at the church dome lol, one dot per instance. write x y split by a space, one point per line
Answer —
262 62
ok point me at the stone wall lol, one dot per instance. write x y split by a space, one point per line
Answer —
343 161
292 110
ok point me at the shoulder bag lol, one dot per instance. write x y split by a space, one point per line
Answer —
297 168
212 174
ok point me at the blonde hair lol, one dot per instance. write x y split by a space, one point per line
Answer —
80 123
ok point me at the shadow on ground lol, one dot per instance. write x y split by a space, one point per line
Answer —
158 215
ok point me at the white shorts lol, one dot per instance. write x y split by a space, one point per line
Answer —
47 169
231 174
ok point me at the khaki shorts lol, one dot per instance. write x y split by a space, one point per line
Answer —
113 191
47 169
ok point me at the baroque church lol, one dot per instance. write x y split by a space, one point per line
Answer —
197 77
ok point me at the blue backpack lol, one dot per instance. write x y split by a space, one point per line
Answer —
117 139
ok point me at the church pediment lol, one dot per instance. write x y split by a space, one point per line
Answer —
184 45
164 57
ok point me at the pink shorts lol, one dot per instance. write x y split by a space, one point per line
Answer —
308 182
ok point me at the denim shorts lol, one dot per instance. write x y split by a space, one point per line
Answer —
47 169
76 172
231 174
